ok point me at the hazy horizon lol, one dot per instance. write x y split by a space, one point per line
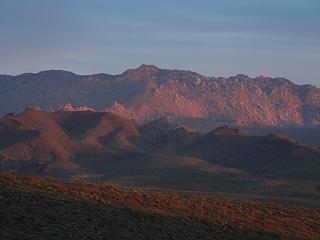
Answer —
214 38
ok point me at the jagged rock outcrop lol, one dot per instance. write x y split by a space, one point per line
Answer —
68 107
147 93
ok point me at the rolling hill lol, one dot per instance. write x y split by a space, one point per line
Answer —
104 147
45 208
270 155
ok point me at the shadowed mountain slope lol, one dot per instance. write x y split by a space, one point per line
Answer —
270 155
102 146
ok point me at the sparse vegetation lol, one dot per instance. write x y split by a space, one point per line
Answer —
45 208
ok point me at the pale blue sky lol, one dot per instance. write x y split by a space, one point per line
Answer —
220 38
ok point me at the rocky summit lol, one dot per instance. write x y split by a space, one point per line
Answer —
148 93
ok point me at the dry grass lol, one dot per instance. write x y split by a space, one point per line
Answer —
45 208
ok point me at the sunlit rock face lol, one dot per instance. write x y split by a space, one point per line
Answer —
147 93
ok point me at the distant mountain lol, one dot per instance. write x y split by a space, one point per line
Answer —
103 146
148 93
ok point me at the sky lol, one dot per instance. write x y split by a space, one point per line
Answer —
277 38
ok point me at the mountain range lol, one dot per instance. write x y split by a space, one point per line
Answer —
105 147
148 93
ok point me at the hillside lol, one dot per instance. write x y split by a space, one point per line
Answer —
270 155
147 93
40 208
104 147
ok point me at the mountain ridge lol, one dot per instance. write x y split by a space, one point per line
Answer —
102 146
154 68
148 92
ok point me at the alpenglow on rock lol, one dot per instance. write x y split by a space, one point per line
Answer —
147 93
